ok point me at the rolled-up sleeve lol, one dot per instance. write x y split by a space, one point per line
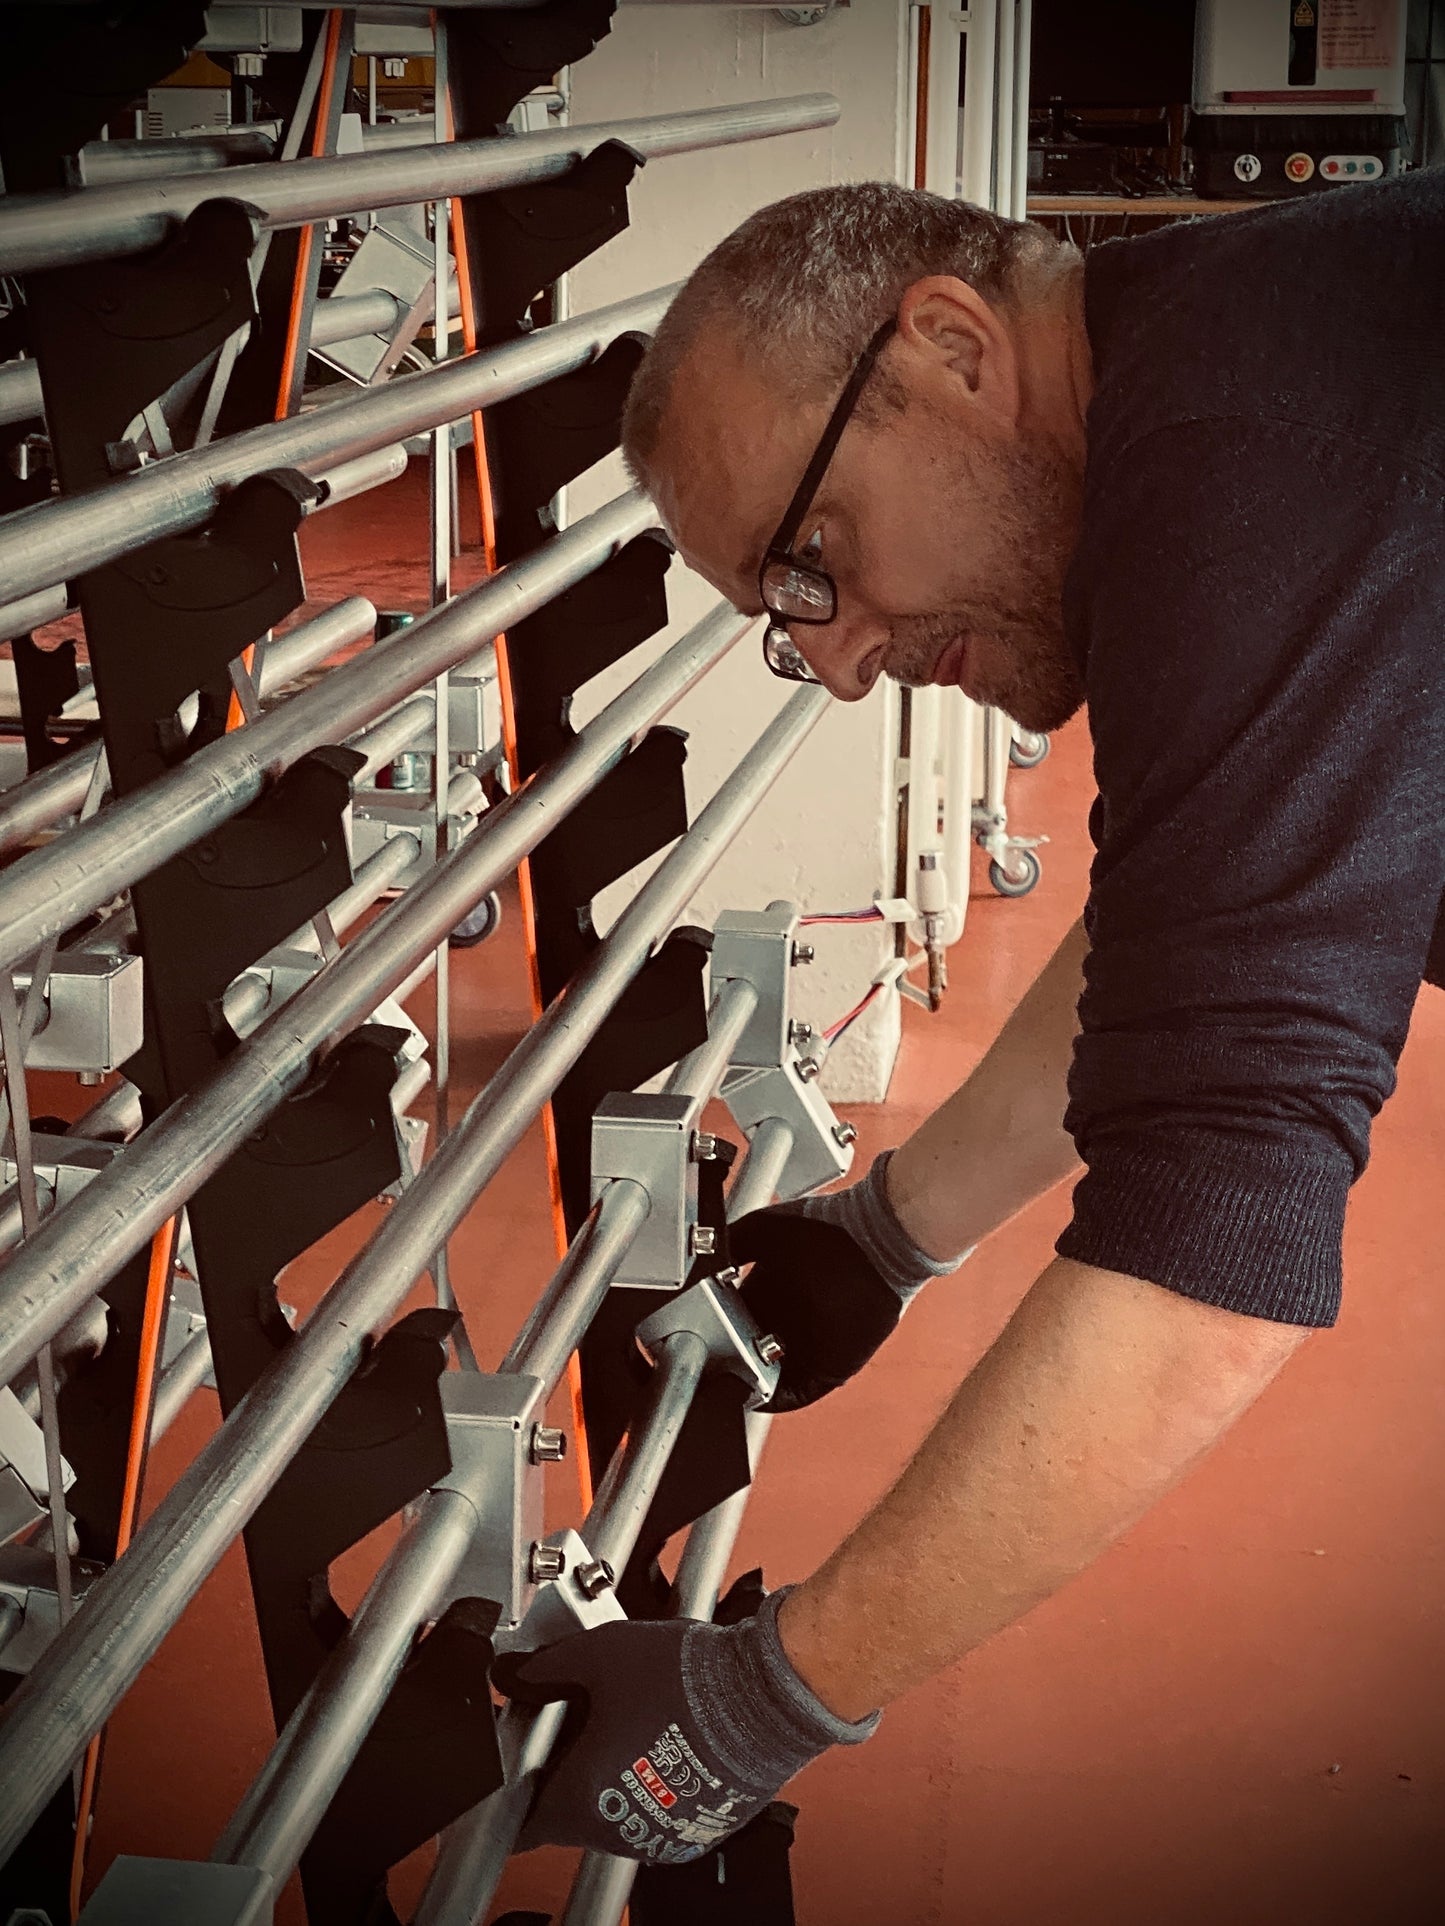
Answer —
1262 615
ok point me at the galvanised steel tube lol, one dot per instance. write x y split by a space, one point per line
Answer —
700 1073
611 1527
60 540
42 799
560 1317
33 611
58 230
287 1801
299 1780
285 657
112 1218
600 1891
82 1675
47 893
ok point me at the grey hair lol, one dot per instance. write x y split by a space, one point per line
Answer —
806 281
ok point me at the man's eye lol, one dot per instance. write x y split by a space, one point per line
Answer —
812 549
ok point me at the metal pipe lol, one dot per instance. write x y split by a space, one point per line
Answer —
600 1891
48 892
59 230
60 540
88 1668
700 1073
558 1320
384 869
42 799
288 1799
180 1379
384 741
285 657
612 1526
120 1209
352 478
20 396
106 161
33 611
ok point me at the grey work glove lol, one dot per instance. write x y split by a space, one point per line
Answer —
831 1276
679 1732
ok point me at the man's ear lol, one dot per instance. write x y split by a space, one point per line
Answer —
955 340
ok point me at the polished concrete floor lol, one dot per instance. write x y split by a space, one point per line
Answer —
1236 1716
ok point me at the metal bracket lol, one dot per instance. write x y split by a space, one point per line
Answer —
713 1311
63 1166
168 1892
24 1485
492 1422
562 1605
27 1579
771 1077
655 1141
94 1011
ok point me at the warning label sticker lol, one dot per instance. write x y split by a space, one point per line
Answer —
1358 34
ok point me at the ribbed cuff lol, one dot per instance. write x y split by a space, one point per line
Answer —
752 1709
865 1212
1246 1226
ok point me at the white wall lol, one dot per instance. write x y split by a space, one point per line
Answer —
824 836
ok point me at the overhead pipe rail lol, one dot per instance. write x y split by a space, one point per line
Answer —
40 231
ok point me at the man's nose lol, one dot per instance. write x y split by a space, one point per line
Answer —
846 654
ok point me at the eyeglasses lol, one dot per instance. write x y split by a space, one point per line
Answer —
792 589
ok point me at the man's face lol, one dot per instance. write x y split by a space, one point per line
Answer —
946 525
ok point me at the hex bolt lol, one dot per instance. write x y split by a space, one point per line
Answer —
809 1068
803 953
769 1348
702 1240
546 1563
549 1445
704 1146
596 1578
845 1134
800 1033
729 1275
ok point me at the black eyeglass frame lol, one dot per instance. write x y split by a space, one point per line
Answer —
779 549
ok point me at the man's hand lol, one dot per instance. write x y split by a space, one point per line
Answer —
830 1277
680 1731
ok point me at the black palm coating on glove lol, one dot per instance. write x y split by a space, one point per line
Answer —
813 1288
678 1733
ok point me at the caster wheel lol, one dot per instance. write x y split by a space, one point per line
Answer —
1027 749
478 925
1020 878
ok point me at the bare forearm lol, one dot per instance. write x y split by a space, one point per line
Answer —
999 1141
1100 1395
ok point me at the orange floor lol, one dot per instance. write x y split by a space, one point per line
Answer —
1235 1717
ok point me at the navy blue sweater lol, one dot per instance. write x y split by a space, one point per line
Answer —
1258 600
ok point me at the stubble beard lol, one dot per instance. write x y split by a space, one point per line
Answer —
1018 657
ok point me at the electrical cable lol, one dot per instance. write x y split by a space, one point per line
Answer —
835 1030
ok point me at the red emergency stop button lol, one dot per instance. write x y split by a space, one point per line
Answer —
1299 167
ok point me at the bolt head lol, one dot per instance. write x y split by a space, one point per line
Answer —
803 953
704 1146
702 1240
546 1562
845 1134
809 1068
800 1033
549 1445
769 1348
596 1578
